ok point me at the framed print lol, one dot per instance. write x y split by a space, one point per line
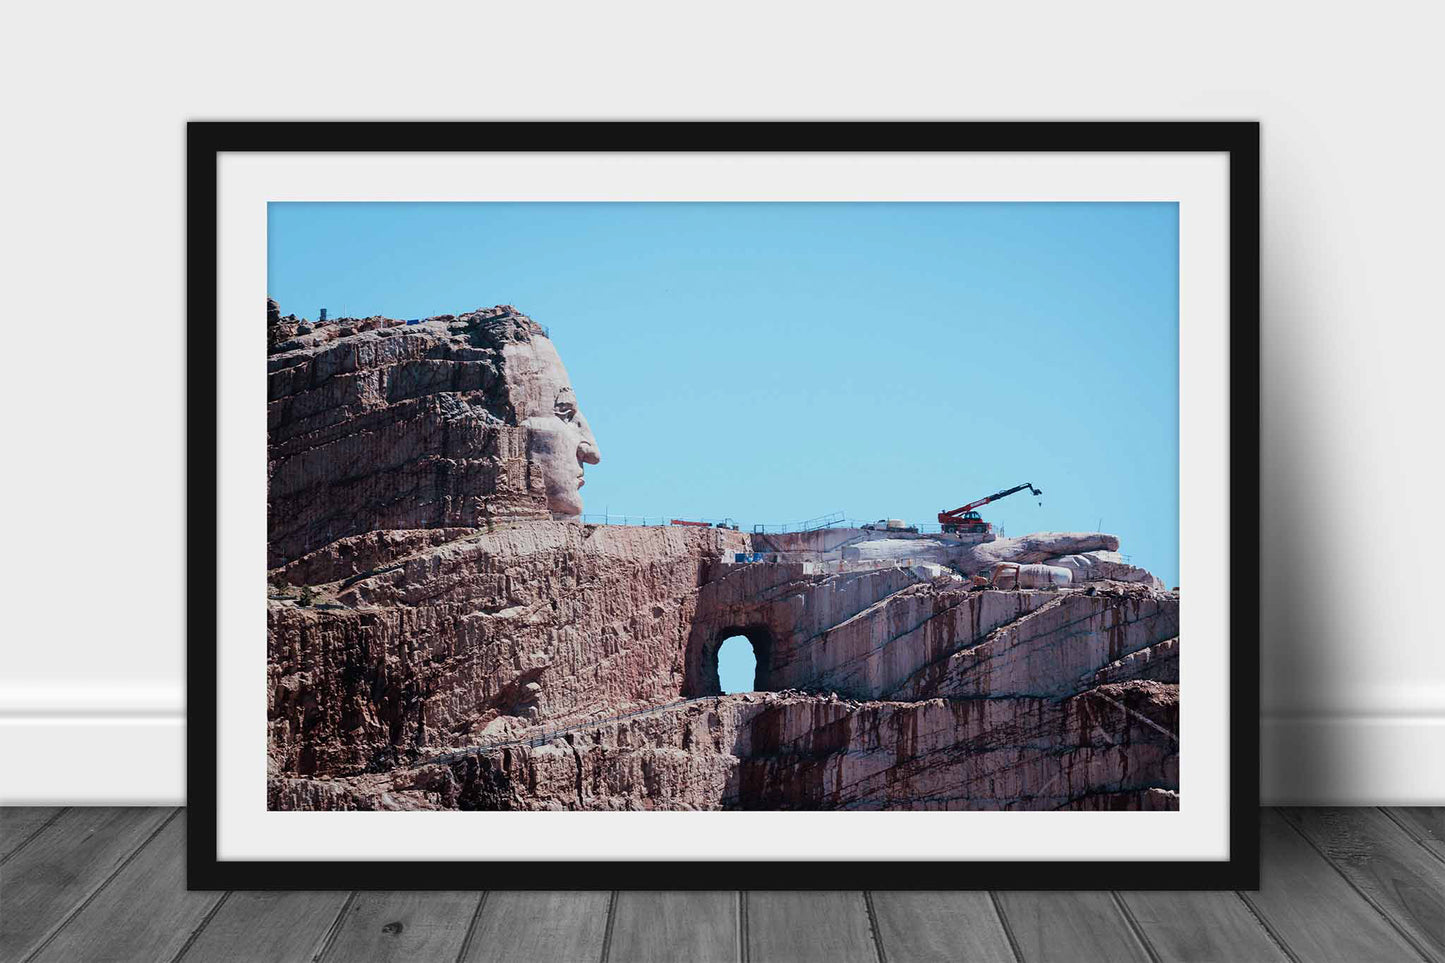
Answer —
723 505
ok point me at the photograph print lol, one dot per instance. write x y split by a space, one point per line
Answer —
723 507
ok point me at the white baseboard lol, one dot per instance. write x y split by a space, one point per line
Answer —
131 751
93 746
93 761
1339 760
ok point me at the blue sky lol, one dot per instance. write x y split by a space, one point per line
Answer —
773 362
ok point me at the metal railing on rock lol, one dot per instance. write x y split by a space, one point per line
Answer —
608 518
830 520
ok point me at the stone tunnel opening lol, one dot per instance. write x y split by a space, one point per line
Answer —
737 660
737 665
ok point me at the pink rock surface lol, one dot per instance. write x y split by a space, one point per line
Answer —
537 622
458 421
442 633
1107 747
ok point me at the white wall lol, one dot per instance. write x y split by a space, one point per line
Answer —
1353 657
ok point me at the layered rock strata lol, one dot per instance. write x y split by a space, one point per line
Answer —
1108 747
444 633
379 424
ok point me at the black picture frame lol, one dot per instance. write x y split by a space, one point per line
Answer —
206 140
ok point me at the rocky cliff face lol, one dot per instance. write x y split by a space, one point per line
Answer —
443 633
380 425
478 636
1110 747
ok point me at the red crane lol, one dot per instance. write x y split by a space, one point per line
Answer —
965 521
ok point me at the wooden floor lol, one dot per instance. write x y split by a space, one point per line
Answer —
1355 885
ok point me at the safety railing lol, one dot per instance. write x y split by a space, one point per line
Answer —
607 518
830 520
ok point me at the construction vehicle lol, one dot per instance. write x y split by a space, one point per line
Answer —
1021 575
727 523
965 520
891 525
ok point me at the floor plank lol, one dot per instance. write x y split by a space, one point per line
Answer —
19 823
1314 911
1069 927
786 927
379 927
1427 825
1201 926
145 913
540 927
68 861
1396 873
109 884
267 928
926 927
662 927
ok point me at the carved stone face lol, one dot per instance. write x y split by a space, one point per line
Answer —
561 441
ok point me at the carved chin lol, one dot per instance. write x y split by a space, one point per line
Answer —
566 502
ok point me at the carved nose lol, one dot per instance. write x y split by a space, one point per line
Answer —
587 453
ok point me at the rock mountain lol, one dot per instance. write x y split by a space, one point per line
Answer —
443 633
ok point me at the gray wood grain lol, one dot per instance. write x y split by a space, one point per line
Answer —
380 927
1403 880
267 928
662 927
109 884
1427 825
19 823
809 928
68 861
1069 927
1314 911
540 927
942 927
144 913
1201 926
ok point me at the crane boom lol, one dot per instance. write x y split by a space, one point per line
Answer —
966 521
995 497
